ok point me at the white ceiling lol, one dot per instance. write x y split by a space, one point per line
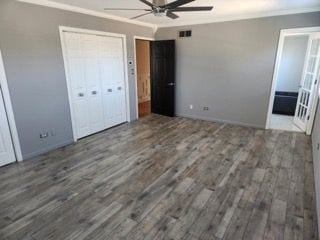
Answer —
223 9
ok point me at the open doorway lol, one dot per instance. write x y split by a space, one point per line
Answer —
292 99
288 82
155 76
143 68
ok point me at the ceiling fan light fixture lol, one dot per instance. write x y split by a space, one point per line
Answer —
159 12
160 8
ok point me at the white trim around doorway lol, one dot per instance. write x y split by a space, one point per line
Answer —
135 69
285 33
100 33
8 106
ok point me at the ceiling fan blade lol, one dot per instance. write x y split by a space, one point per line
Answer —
147 3
177 3
172 15
191 9
141 15
128 9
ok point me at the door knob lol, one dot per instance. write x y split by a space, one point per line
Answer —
94 92
81 95
171 84
119 88
109 90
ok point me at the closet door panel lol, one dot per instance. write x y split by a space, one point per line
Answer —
95 108
112 68
107 90
120 97
79 95
96 74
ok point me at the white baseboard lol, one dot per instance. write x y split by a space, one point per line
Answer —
211 119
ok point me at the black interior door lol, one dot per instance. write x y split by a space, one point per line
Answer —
163 77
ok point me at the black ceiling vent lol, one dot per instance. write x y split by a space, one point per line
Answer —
184 34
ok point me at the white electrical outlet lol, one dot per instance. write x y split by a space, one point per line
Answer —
44 135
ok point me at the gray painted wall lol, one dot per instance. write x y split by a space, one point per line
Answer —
292 63
316 159
30 43
228 67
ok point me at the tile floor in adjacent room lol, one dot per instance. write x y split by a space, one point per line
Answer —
283 122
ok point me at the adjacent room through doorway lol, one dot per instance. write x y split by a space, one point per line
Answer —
293 97
143 77
155 78
289 78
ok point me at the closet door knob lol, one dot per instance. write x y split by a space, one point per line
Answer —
119 88
109 90
81 95
94 92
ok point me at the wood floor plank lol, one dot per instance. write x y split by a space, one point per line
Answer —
165 178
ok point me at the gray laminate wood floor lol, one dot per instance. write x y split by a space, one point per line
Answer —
165 178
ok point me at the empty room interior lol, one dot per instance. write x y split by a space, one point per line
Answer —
159 119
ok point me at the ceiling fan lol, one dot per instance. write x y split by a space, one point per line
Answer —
162 8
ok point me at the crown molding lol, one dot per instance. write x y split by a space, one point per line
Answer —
71 8
155 27
239 17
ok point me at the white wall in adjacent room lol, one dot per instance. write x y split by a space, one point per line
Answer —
292 62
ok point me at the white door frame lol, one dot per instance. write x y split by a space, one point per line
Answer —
313 109
136 69
63 29
10 116
284 33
